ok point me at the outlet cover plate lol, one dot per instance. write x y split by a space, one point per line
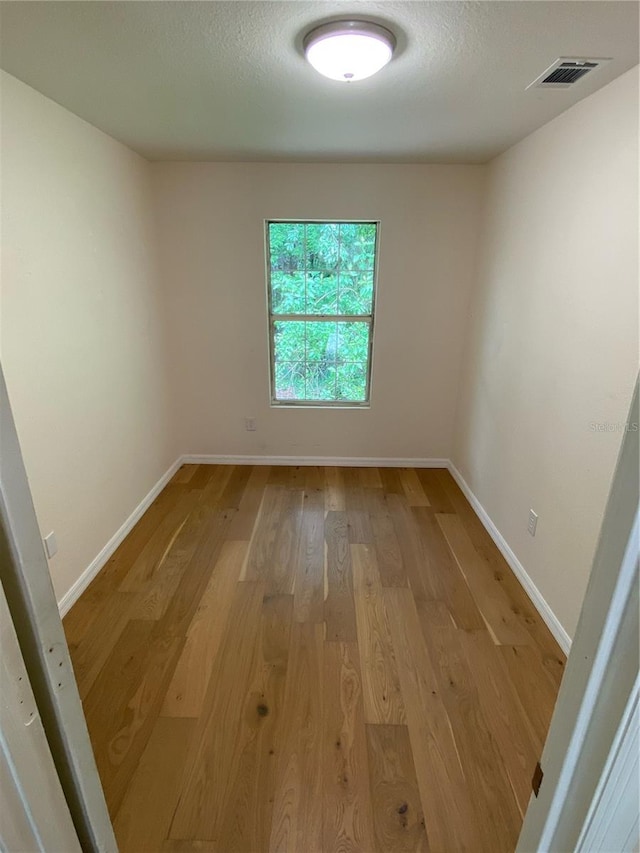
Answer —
51 545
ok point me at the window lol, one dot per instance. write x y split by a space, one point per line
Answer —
321 289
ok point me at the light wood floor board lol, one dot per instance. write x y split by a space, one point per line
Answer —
154 788
186 693
370 478
313 660
398 819
412 486
244 523
339 607
212 487
297 807
178 615
222 732
281 568
502 708
158 592
358 519
444 576
159 545
383 702
493 801
492 601
124 704
263 539
445 790
535 686
90 655
309 562
412 554
434 490
348 816
334 497
388 553
246 824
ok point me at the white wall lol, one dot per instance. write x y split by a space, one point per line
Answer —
553 343
211 220
81 324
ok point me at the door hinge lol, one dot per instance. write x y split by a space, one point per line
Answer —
536 780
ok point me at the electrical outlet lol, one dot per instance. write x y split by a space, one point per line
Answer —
250 424
533 522
51 545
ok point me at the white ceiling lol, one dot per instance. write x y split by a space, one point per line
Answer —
227 80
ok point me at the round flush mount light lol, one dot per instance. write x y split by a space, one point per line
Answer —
349 50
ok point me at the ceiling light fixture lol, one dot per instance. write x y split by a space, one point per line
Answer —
349 50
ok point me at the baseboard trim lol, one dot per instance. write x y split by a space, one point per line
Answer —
72 595
339 461
537 599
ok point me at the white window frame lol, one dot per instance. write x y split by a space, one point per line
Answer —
319 318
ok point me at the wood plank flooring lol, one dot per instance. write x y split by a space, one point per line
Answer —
313 660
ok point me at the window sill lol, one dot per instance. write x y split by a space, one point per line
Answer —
324 406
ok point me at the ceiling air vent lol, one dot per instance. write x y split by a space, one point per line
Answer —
565 72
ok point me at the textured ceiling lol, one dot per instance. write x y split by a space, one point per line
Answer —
227 80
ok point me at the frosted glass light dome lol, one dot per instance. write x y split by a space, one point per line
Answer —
349 50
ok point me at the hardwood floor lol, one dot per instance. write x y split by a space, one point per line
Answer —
313 659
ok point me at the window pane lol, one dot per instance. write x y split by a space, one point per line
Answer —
322 293
290 381
352 381
322 246
321 360
356 293
289 341
357 246
322 341
286 246
321 381
287 293
353 342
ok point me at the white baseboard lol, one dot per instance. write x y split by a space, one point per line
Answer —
538 600
341 461
72 595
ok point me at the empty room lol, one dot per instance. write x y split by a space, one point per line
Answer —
319 426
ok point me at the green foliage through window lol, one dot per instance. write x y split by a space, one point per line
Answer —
321 286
